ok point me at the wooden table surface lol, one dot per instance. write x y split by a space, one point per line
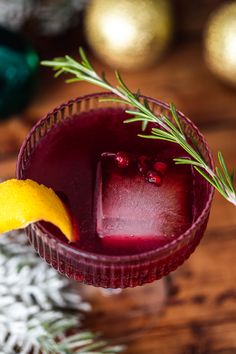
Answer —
200 315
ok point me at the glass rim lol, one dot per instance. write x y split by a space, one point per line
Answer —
123 258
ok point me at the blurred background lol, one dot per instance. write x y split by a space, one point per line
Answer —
176 51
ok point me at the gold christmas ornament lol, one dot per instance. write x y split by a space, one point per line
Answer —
220 43
129 34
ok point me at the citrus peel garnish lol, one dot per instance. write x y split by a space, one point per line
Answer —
23 202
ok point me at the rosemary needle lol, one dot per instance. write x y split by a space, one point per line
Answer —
221 179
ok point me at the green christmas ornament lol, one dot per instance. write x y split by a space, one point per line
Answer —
18 72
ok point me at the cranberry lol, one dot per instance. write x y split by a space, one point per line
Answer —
122 159
160 167
154 177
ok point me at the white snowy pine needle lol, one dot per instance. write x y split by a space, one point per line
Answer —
38 306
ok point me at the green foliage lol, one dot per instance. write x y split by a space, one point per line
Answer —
222 179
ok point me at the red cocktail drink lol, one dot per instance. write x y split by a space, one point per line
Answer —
136 222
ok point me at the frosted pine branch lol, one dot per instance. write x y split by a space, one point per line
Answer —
38 306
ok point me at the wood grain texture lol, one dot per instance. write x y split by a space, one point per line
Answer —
181 77
200 316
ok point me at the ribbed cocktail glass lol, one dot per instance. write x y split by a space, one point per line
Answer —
110 271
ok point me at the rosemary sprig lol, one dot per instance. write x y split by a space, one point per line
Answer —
221 179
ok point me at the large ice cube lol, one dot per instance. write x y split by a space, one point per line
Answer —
128 205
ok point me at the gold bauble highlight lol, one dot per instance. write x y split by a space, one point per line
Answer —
220 43
129 34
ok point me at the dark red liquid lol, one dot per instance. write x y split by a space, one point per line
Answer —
66 160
